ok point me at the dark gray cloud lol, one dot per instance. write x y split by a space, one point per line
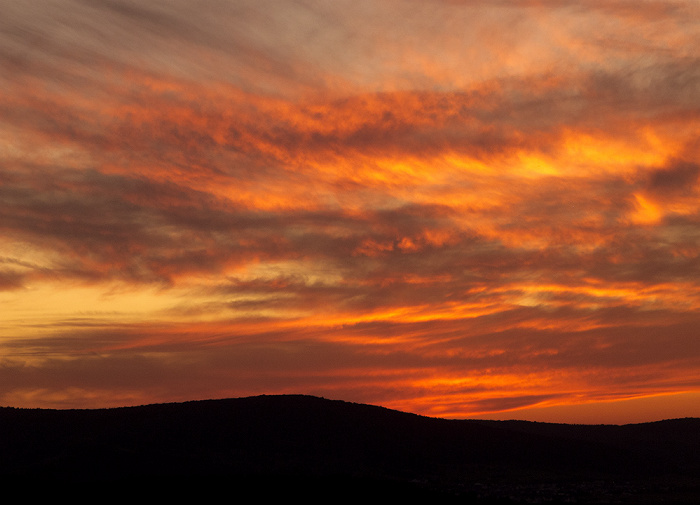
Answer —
679 177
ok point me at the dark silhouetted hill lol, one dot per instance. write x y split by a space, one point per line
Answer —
293 445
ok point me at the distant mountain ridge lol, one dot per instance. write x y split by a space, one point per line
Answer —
309 442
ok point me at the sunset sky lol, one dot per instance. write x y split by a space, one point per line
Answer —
458 208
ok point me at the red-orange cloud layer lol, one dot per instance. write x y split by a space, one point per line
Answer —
472 209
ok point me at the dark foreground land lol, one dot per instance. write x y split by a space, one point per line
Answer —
302 446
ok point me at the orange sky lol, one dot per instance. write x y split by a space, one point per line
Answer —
454 208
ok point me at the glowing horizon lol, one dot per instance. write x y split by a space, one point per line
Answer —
460 209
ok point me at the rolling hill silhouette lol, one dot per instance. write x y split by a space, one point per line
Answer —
290 445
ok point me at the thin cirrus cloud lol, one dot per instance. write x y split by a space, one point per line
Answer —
458 209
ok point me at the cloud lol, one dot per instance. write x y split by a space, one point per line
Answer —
381 201
10 279
678 177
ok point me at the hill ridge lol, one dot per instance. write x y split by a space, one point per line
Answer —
304 438
316 397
